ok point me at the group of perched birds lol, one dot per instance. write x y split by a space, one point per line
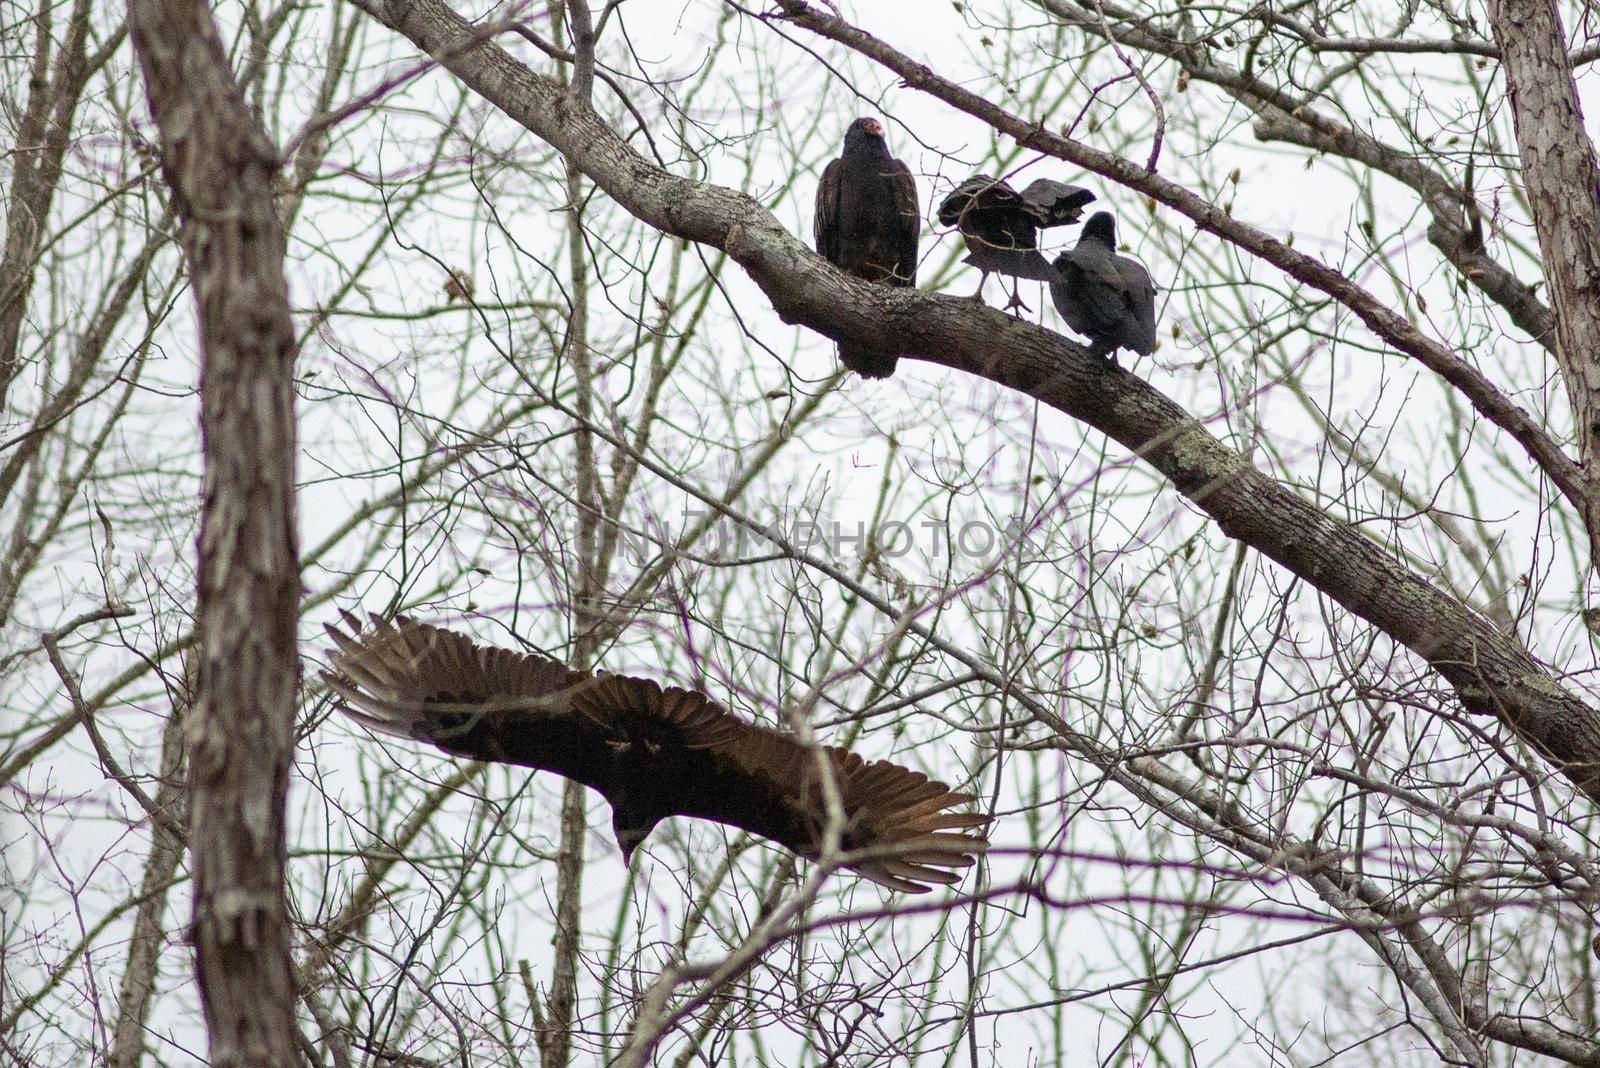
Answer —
868 221
656 752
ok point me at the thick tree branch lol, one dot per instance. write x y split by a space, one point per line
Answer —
1453 230
221 165
1371 911
1451 46
1562 181
1490 671
555 1035
1383 321
1291 118
582 26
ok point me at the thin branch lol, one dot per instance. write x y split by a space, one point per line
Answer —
1490 671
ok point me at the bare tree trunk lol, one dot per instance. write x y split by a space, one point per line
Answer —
144 948
1563 184
220 165
555 1036
615 449
42 138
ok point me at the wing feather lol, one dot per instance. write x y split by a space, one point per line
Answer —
976 196
412 680
747 776
825 226
1139 297
418 681
908 228
1054 203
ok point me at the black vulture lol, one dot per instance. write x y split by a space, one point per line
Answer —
867 224
1001 226
653 752
1106 297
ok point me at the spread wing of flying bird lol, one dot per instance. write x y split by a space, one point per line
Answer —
1001 226
652 751
867 223
1108 298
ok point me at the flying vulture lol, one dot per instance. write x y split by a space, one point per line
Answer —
653 752
867 224
1001 226
1106 297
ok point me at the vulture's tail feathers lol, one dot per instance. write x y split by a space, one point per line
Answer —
1016 262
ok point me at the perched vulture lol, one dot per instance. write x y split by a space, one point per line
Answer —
1106 297
1001 226
652 752
867 224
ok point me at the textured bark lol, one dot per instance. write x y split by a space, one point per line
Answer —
1385 323
144 947
1491 671
43 130
220 166
1562 183
555 1033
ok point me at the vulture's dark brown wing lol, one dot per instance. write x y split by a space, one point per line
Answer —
657 752
1000 229
719 767
977 196
1139 297
825 226
908 224
1107 297
1054 203
413 680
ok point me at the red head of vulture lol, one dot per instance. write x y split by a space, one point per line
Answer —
1106 297
867 224
1001 226
653 752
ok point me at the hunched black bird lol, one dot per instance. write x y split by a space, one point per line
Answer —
1108 298
1001 226
867 223
653 752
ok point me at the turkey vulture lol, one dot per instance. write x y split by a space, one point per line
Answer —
867 224
1001 226
1107 298
653 752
